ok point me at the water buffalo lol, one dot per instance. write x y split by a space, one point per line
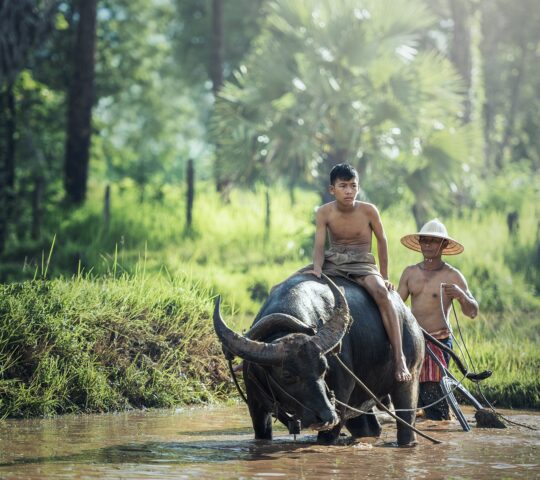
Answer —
290 372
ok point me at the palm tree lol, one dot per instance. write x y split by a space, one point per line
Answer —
340 80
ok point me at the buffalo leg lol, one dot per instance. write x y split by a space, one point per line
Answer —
261 420
364 426
329 437
405 397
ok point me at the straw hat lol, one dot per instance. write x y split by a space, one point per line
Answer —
433 228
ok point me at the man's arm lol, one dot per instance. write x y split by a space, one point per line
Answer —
382 245
320 238
460 291
403 288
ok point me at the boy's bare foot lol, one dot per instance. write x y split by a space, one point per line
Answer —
402 372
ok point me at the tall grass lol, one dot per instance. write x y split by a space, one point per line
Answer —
98 345
131 327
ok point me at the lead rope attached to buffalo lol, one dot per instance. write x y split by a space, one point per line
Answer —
452 390
233 374
293 421
486 411
380 404
369 392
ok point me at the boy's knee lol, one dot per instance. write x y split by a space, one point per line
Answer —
381 295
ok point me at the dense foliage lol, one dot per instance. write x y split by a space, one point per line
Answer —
95 346
434 101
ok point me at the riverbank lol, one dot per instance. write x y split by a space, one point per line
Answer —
97 345
111 344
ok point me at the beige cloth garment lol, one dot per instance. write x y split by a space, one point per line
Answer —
348 262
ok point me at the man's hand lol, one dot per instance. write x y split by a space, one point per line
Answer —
389 285
451 290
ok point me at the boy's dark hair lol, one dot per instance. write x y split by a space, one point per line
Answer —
342 171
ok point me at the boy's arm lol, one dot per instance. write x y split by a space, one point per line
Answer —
403 288
460 291
320 237
382 245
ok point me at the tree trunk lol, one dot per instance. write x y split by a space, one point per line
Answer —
7 157
460 50
488 48
190 194
81 98
268 213
37 207
216 56
420 214
515 87
107 208
292 191
216 75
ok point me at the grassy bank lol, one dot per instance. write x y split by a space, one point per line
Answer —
100 345
507 345
123 320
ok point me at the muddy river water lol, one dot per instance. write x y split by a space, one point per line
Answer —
217 442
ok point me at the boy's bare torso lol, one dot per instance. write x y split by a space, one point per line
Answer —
425 289
351 228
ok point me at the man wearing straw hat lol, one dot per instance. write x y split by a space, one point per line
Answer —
432 284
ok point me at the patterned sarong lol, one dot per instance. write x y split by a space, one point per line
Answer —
430 370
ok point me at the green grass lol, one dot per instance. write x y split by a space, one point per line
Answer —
100 335
507 344
108 344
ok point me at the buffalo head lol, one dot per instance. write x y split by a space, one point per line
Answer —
287 359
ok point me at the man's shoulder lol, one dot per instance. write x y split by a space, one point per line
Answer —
451 269
412 269
452 272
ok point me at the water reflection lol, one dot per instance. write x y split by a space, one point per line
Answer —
218 443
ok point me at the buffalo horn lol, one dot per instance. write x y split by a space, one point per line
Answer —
250 350
277 322
331 333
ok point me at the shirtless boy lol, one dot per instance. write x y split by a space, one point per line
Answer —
350 225
425 282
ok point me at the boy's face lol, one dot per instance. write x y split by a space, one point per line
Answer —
345 191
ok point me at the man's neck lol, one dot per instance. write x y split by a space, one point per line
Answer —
431 264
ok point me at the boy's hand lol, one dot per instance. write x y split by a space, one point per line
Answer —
316 271
389 285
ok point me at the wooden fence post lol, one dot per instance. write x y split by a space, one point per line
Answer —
190 194
37 211
107 207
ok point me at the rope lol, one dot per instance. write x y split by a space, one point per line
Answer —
478 387
236 382
381 405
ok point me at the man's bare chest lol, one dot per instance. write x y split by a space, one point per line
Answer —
426 285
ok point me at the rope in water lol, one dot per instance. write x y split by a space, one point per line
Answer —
381 405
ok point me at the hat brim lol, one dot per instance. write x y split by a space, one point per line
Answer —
412 242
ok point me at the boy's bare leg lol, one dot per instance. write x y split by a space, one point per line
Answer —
377 289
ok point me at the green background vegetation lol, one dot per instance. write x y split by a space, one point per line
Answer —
132 327
106 306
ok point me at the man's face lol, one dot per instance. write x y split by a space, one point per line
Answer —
345 191
432 246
